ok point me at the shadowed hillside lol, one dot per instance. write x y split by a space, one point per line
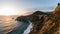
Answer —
44 23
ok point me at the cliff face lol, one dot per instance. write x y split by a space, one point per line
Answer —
57 10
44 23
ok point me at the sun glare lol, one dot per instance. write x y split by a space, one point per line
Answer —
9 10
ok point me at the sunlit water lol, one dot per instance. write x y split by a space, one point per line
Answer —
10 26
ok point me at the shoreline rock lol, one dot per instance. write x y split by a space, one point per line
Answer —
44 23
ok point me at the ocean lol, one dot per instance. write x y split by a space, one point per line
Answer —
8 25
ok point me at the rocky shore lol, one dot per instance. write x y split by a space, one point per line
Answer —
44 23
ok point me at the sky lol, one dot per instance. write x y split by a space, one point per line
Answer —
22 6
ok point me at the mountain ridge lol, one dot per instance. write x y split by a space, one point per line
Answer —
44 23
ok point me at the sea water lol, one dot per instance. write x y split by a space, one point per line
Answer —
11 26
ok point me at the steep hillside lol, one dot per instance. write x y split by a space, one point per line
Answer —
44 23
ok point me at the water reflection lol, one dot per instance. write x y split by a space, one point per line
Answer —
7 24
21 28
11 26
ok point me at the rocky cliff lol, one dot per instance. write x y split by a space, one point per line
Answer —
44 23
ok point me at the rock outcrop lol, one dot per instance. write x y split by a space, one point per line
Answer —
44 23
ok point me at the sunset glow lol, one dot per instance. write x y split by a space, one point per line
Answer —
8 10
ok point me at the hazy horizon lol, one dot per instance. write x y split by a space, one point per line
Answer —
18 7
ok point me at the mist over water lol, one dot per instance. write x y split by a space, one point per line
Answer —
8 25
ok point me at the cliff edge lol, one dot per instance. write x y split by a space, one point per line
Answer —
44 23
